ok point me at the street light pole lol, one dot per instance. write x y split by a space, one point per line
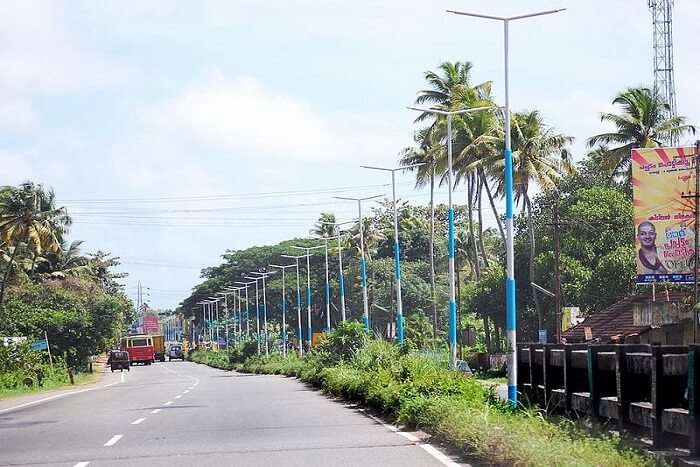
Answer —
263 276
397 251
308 289
284 306
511 312
247 314
300 335
363 262
451 226
341 275
257 310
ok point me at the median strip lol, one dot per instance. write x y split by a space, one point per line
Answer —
113 440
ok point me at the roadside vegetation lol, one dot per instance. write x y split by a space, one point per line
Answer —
421 392
49 289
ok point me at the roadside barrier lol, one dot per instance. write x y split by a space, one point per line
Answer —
653 390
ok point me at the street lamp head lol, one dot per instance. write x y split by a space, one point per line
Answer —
358 199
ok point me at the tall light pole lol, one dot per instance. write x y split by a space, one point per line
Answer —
363 262
451 225
300 334
215 300
511 313
397 251
263 276
308 288
257 310
284 306
204 316
247 314
341 276
225 295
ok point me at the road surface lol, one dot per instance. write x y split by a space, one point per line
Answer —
181 413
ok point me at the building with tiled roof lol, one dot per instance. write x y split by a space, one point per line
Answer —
661 318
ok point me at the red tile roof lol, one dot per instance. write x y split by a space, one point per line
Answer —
617 321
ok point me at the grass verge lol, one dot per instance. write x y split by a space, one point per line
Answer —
11 386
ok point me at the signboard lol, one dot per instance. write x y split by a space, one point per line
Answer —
150 324
664 216
8 341
42 344
543 336
587 333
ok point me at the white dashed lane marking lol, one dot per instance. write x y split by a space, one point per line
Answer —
177 397
155 411
81 464
168 403
113 440
136 422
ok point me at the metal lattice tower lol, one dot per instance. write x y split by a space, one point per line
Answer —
662 20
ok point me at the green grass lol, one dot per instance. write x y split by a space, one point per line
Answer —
11 383
419 392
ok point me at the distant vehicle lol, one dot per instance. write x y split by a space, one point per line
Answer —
140 349
159 347
119 360
176 353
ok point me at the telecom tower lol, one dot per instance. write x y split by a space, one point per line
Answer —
662 20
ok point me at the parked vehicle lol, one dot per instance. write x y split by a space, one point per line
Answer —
159 347
119 360
176 353
140 349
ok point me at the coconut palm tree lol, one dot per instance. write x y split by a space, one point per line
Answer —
324 226
644 122
29 215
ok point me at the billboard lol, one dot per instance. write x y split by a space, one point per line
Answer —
663 181
150 324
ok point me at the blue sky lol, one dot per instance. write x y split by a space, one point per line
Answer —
162 101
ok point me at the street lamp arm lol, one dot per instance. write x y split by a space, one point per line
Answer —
531 15
477 15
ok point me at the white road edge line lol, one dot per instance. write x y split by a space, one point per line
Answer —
136 422
155 410
429 448
81 464
168 403
46 399
108 385
113 440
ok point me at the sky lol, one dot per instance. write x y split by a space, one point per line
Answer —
173 131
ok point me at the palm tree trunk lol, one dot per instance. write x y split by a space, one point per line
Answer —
432 253
497 332
458 302
7 272
470 201
535 295
493 205
479 191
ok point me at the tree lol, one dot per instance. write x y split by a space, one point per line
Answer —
324 226
644 122
29 214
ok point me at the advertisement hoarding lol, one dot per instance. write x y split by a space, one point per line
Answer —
663 181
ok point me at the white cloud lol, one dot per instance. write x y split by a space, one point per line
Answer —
242 114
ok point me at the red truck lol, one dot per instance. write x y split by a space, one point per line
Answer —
140 349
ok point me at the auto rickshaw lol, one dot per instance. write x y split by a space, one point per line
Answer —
119 360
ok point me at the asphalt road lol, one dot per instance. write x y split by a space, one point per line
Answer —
181 413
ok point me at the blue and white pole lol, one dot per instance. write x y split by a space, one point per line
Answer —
284 317
451 250
257 315
511 312
363 269
397 263
267 344
341 276
328 290
309 335
300 334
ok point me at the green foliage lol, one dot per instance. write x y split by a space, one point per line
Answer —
344 341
